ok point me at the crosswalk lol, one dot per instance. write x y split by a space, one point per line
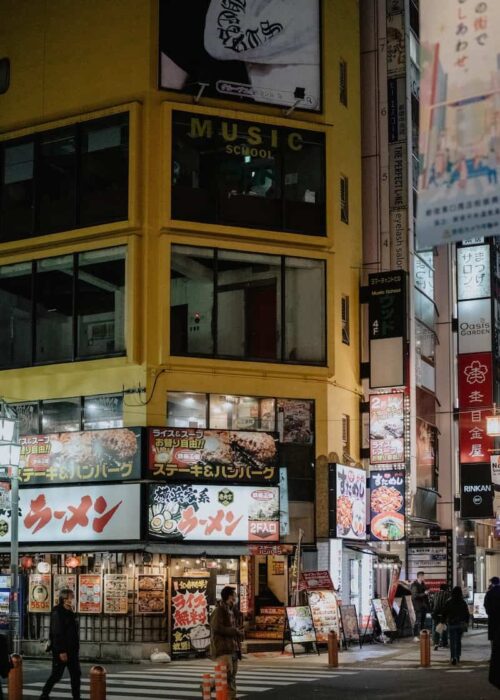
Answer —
181 680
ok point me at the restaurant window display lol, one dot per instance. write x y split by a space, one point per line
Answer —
248 174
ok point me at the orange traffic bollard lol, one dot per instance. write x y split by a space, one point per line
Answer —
220 682
333 650
16 678
206 686
425 648
97 683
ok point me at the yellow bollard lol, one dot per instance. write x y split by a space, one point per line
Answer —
97 683
15 680
425 648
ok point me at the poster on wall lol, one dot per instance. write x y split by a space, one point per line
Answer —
192 454
384 614
150 593
88 513
190 627
92 455
300 623
207 512
40 599
250 51
387 434
296 421
325 613
387 505
459 148
90 597
61 582
347 502
116 594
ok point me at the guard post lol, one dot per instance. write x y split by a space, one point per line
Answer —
97 683
333 650
425 649
15 680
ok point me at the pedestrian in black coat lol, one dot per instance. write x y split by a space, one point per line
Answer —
5 662
492 607
65 645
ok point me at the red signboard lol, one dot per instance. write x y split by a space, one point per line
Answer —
316 581
475 380
475 444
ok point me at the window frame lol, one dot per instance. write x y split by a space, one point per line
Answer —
343 83
344 199
345 319
37 137
281 310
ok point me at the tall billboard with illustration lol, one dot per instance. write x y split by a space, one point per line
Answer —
459 137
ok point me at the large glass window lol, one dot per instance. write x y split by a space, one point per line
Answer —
61 415
249 293
65 178
103 411
247 174
15 314
62 308
186 409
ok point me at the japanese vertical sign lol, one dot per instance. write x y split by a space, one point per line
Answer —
190 624
40 600
459 192
387 322
347 502
78 514
236 513
387 505
387 434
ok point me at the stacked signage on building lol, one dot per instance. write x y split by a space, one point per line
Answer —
475 378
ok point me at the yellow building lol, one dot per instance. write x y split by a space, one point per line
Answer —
186 255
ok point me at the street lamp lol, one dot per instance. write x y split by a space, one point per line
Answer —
10 453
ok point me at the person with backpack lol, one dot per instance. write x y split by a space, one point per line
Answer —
456 616
439 629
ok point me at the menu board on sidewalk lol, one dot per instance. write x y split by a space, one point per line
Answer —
301 625
384 615
350 624
325 613
116 594
90 598
40 600
478 611
190 626
64 581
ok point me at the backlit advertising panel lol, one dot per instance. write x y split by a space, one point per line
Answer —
387 435
347 502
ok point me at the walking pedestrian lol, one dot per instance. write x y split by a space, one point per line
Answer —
226 637
456 615
420 601
492 607
439 629
65 645
5 662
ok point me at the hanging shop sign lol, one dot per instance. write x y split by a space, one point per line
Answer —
473 272
77 514
387 328
90 593
247 51
316 580
475 443
387 505
116 594
64 582
91 455
476 491
300 624
384 615
475 380
40 587
347 502
208 512
284 505
474 326
495 470
387 433
150 594
190 454
458 187
258 550
325 613
190 628
434 555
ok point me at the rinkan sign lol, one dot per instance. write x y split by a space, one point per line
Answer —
252 140
476 496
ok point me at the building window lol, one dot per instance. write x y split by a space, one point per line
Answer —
346 434
187 410
343 82
65 178
102 411
344 199
344 314
63 308
244 174
247 306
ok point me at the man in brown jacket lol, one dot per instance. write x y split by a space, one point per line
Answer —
226 637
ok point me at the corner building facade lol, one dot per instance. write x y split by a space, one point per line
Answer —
182 259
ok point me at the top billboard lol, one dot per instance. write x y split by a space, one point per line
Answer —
264 51
459 141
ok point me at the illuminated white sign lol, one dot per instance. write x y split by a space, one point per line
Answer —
474 326
473 272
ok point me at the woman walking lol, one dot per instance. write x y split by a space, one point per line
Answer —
456 614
